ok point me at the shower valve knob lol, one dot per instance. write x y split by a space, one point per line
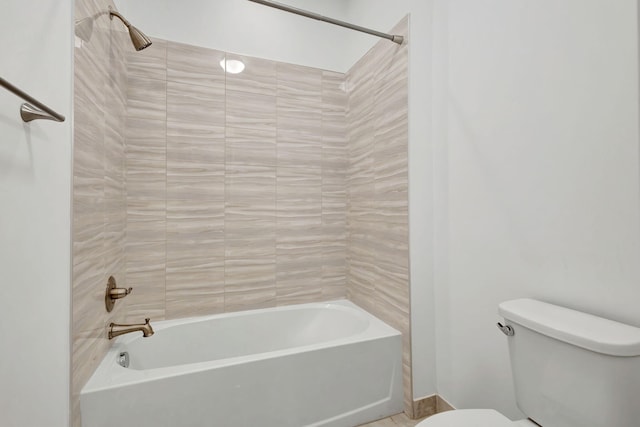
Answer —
114 293
118 293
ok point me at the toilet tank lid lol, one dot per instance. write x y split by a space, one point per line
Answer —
574 327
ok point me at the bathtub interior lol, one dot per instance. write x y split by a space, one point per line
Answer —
243 334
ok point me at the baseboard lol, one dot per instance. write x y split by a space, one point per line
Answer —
442 405
430 405
425 407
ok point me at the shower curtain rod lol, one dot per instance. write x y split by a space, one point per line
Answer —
393 38
32 109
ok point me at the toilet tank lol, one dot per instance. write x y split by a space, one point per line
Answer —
572 369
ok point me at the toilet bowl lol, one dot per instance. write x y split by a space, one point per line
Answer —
473 418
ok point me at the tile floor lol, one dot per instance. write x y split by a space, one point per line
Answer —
400 420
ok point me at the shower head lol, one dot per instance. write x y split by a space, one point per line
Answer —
138 38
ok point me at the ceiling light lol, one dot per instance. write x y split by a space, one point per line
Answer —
232 66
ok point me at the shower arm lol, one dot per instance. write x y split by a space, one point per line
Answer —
113 13
138 38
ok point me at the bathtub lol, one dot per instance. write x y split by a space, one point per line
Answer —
325 364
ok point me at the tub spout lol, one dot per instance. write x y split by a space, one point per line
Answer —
117 330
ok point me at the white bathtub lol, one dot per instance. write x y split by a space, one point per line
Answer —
329 364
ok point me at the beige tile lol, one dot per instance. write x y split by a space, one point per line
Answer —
299 82
195 221
332 292
88 155
193 293
301 292
146 264
146 220
259 247
299 236
299 259
245 146
247 182
251 111
146 98
250 282
390 102
146 159
335 149
115 217
442 405
299 197
150 63
99 192
250 233
258 77
88 261
192 181
250 272
146 257
377 206
334 92
194 65
303 116
195 144
299 134
246 222
114 165
89 84
425 407
146 139
194 104
195 275
250 201
334 263
145 181
334 195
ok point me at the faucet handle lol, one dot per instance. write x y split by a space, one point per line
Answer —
113 293
117 293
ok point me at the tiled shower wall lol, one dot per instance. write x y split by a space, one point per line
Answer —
236 184
99 192
378 243
210 192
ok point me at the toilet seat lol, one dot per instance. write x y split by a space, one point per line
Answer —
469 418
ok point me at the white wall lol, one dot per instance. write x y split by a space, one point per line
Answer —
379 15
537 168
243 27
35 216
524 177
421 196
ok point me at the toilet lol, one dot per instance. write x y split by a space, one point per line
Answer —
570 369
